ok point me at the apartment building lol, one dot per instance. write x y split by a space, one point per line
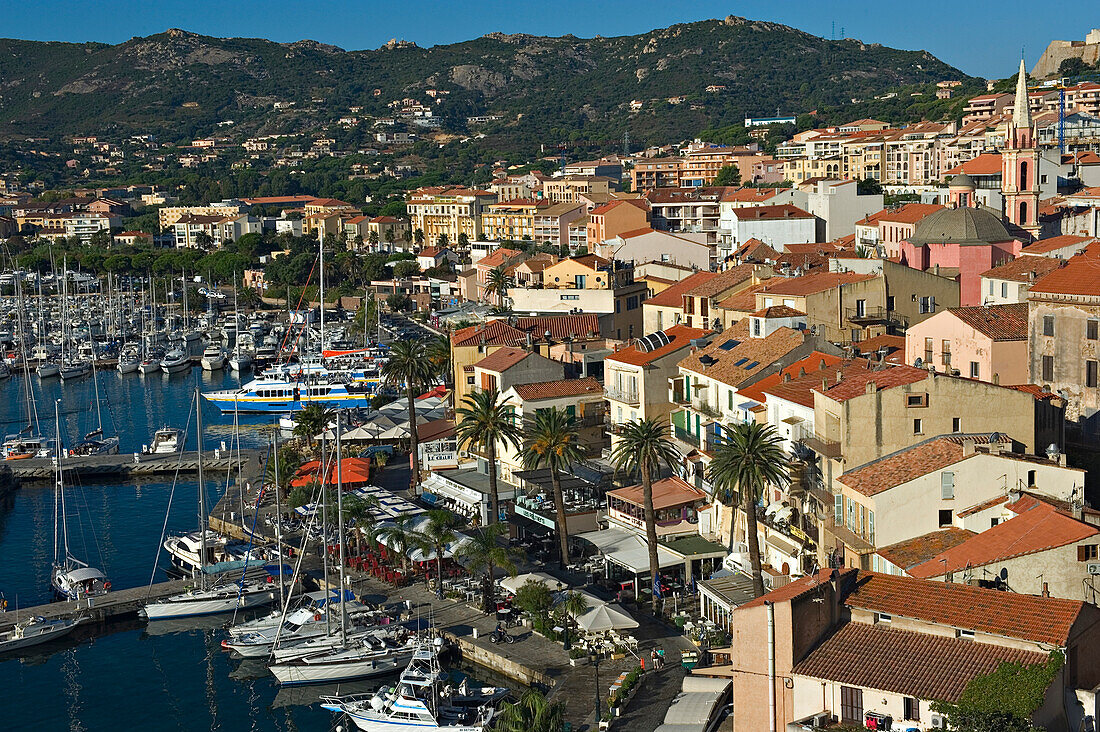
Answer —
448 211
616 217
987 342
512 220
570 188
649 174
551 223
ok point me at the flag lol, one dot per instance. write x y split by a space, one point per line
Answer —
657 586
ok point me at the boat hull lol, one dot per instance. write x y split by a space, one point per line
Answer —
128 367
300 673
213 363
38 634
175 367
258 406
186 607
148 368
48 371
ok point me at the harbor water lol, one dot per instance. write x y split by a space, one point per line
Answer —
134 677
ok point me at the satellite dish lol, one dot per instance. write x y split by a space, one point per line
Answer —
1052 451
1003 574
919 362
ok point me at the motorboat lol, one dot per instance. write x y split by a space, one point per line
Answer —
315 603
375 654
22 447
149 365
166 441
175 361
36 630
100 446
48 369
213 358
129 360
222 554
281 396
240 361
422 699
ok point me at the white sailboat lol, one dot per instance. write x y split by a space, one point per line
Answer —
36 630
71 578
94 442
204 600
238 360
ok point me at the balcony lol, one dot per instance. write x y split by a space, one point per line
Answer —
826 448
592 420
875 316
705 409
686 437
624 396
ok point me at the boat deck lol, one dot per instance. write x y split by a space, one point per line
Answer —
115 604
124 465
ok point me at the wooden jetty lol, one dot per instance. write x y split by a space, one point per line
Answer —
124 465
115 604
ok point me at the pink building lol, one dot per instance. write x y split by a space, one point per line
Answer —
966 241
986 342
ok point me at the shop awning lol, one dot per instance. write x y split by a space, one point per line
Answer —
628 550
783 544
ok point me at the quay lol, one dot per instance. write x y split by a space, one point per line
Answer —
125 465
115 605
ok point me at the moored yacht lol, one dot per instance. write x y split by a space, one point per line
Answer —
166 440
213 357
281 396
175 361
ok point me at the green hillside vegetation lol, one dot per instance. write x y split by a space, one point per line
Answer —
177 85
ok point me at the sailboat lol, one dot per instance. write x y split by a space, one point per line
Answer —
71 578
94 442
204 599
239 360
72 367
48 368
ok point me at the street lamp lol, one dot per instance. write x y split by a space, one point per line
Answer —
595 657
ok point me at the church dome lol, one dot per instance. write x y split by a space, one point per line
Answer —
960 226
962 180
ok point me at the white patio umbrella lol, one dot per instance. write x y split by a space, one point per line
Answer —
419 555
606 617
512 584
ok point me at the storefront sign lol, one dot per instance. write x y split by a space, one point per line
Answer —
441 454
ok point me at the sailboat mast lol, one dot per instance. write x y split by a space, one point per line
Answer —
324 532
61 480
321 290
340 531
278 521
202 493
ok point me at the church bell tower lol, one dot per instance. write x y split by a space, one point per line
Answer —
1020 164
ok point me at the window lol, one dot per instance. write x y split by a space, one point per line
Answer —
632 303
1048 325
1004 289
947 485
889 302
882 618
861 308
916 400
956 424
1031 479
975 369
1091 326
964 634
857 335
1048 368
946 517
928 350
910 709
470 380
838 510
1086 552
1090 373
918 427
578 297
731 399
579 281
756 326
945 353
991 287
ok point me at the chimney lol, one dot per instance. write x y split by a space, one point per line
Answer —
1046 590
824 383
995 448
786 378
968 447
839 376
871 387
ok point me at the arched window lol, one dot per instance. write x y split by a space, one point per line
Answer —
1023 176
1023 213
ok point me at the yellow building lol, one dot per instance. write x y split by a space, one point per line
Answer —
570 188
448 211
511 220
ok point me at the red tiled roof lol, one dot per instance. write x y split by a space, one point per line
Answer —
493 333
668 492
890 342
800 389
984 164
723 281
810 284
756 250
497 257
998 322
855 380
1054 243
778 311
1023 269
779 211
1035 390
502 359
911 552
905 465
674 295
816 364
907 662
1027 617
1080 276
560 326
733 356
556 389
908 213
745 301
680 337
1037 527
800 587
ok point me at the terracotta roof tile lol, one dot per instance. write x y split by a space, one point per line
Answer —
502 359
1024 269
497 257
906 662
493 333
855 380
674 296
755 250
909 213
911 552
668 492
998 322
680 337
560 326
905 465
1080 276
817 363
1054 243
800 389
1037 527
810 284
1027 617
733 356
779 211
556 389
745 301
984 164
801 586
778 311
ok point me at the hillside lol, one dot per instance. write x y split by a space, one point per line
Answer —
177 85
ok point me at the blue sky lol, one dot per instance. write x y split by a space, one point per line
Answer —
983 38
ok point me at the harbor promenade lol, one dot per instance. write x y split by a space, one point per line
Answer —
125 465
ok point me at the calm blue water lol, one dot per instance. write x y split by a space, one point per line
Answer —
129 679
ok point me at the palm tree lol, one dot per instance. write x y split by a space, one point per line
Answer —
439 353
749 457
484 552
497 283
399 536
358 512
572 606
483 420
312 420
409 367
434 537
644 446
552 441
532 713
372 238
418 236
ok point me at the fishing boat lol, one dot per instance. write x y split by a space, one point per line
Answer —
422 699
213 357
70 578
175 361
221 597
36 630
